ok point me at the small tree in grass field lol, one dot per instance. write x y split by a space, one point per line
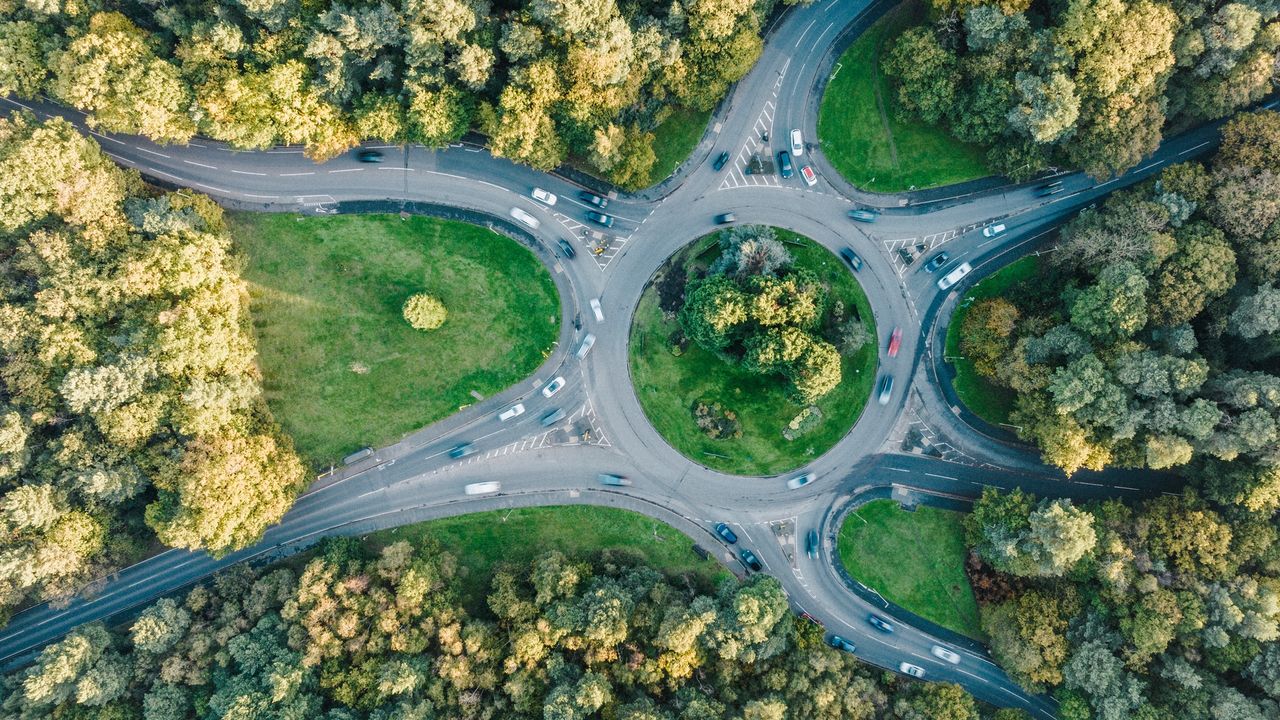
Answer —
425 312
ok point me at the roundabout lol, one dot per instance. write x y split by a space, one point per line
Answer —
606 422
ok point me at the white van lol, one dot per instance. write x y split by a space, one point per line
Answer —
525 218
483 488
954 276
587 343
597 310
797 143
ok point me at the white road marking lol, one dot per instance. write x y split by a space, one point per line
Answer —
346 170
153 152
246 172
313 172
193 162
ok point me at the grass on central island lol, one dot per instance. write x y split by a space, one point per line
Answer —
342 369
914 559
984 398
667 386
481 541
860 130
674 139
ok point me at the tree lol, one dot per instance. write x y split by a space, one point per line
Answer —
1257 314
1048 107
1202 270
1115 306
1029 636
936 701
159 627
1251 140
925 72
747 250
424 312
712 309
23 46
986 334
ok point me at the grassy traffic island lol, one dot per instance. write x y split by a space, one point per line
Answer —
343 368
863 133
753 350
914 559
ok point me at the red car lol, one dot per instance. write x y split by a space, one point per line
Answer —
895 340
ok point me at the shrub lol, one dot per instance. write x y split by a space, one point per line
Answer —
425 312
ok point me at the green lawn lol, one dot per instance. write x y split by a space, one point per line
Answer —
868 143
342 369
482 540
914 559
674 139
668 385
985 399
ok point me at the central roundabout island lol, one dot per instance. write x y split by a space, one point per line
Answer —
753 350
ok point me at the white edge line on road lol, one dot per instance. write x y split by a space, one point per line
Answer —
153 152
346 170
246 172
210 187
264 197
898 470
313 172
104 137
193 162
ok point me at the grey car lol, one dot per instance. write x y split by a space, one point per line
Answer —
840 643
462 450
937 261
886 389
553 417
725 218
615 480
811 544
566 248
750 560
862 215
852 258
784 164
597 217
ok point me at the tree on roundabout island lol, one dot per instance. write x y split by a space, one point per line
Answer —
751 351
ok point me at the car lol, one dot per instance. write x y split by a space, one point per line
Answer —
812 619
914 671
616 480
750 560
594 199
462 450
810 177
811 544
1052 188
797 143
800 481
784 164
725 218
895 341
513 411
543 196
840 643
886 389
566 248
596 309
553 417
525 218
852 258
369 156
601 218
941 652
863 215
483 488
588 342
954 276
552 387
720 161
879 623
726 533
993 230
937 261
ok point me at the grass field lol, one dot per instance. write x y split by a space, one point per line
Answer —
862 135
342 368
481 541
674 139
914 559
667 385
985 399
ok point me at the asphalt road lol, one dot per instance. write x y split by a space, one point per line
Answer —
605 429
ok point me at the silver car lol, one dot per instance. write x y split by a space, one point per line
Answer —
914 671
945 654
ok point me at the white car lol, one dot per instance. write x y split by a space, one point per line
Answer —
525 218
483 488
954 276
513 411
797 143
810 177
588 342
595 308
800 481
941 652
993 230
914 671
553 387
543 196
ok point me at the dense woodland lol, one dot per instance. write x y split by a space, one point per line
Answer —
1089 84
387 638
131 408
542 79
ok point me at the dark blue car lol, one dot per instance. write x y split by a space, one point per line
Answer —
725 533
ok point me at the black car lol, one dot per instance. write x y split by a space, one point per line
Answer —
720 161
369 156
879 623
725 218
811 544
840 643
1052 188
750 560
566 248
852 258
603 219
726 533
784 164
936 262
594 199
461 451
